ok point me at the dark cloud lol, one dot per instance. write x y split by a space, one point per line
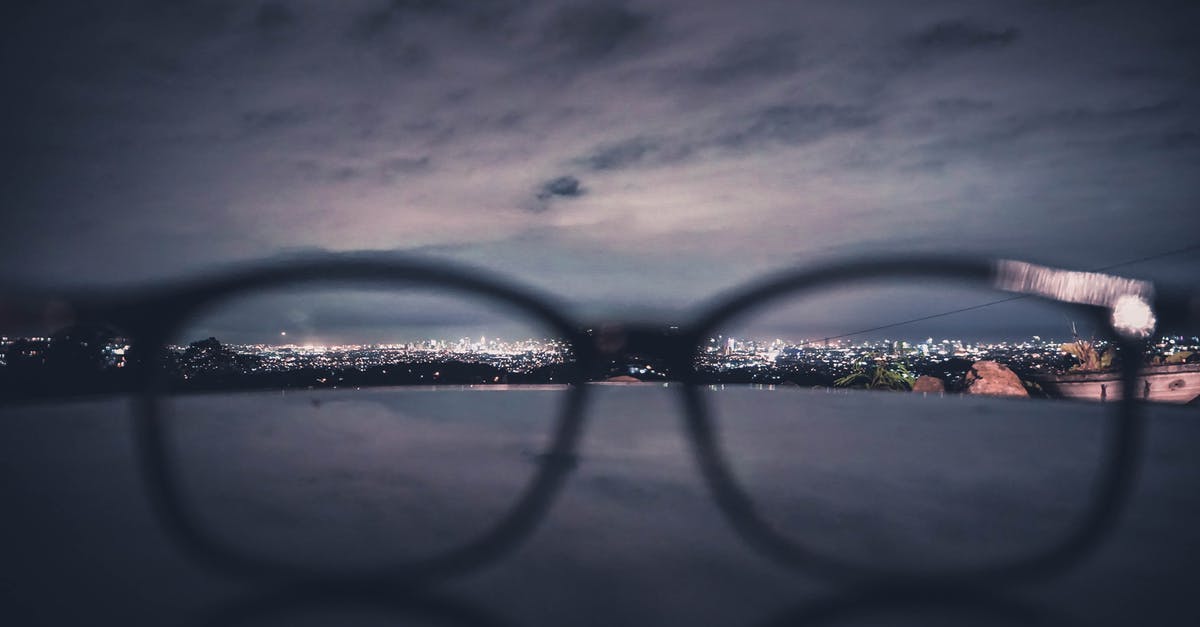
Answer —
125 42
371 24
476 15
953 36
619 155
272 120
560 187
343 174
1089 121
273 17
384 172
314 170
590 32
787 125
796 124
958 107
404 165
382 32
755 57
407 55
637 151
509 120
1145 133
198 18
1087 116
1181 140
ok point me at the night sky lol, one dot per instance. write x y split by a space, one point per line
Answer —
643 153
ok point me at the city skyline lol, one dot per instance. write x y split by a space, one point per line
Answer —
66 365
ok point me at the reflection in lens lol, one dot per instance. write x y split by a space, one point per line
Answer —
871 426
355 427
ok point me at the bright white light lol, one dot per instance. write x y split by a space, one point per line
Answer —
1133 317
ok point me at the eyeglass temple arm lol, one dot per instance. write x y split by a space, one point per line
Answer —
1068 286
1172 310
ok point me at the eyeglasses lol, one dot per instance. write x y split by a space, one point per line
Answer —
401 418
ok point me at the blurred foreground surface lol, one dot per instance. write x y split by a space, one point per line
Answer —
634 538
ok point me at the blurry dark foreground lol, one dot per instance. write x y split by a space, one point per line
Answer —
633 539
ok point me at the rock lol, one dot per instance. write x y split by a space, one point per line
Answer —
927 384
990 378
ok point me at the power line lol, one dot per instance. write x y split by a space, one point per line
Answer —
929 317
1177 251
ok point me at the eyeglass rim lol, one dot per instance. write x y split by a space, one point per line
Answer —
176 305
1121 451
180 301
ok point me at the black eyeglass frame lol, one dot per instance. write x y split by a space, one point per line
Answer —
152 318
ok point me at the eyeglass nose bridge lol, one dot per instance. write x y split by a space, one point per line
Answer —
663 345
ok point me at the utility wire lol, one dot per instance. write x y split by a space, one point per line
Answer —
1177 251
1169 253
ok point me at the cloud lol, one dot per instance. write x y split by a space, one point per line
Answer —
796 124
779 125
955 36
277 119
754 57
404 165
232 129
1081 122
558 188
273 17
637 151
470 14
960 107
561 187
590 32
383 172
317 170
1137 140
1181 140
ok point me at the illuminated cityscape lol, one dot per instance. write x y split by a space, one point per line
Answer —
49 364
419 359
